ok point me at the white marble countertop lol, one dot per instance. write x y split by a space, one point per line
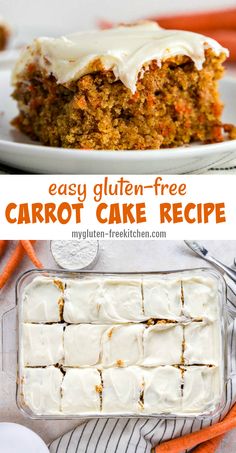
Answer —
113 256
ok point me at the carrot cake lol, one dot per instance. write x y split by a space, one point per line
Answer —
147 366
131 87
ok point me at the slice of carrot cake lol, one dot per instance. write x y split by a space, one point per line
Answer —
131 87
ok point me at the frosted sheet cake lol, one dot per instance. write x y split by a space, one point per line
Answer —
113 345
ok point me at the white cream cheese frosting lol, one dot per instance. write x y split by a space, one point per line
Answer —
202 389
200 298
83 345
134 389
162 390
122 345
122 389
81 301
43 344
81 391
162 298
202 343
42 389
162 345
103 301
124 50
121 301
41 301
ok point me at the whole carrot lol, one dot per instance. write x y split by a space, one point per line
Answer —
29 249
11 265
3 245
209 446
190 440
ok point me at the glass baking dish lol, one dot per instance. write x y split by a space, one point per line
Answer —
28 276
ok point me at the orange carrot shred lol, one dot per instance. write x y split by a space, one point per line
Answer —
29 249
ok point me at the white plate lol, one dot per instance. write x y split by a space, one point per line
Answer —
18 151
17 438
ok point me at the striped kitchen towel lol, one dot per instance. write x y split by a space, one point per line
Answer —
141 435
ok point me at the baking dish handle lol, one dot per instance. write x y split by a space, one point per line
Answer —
9 343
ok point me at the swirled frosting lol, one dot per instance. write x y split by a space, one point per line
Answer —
125 50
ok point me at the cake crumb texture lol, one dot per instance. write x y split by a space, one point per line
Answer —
173 105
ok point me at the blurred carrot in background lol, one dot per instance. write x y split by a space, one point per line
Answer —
227 38
212 20
219 25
